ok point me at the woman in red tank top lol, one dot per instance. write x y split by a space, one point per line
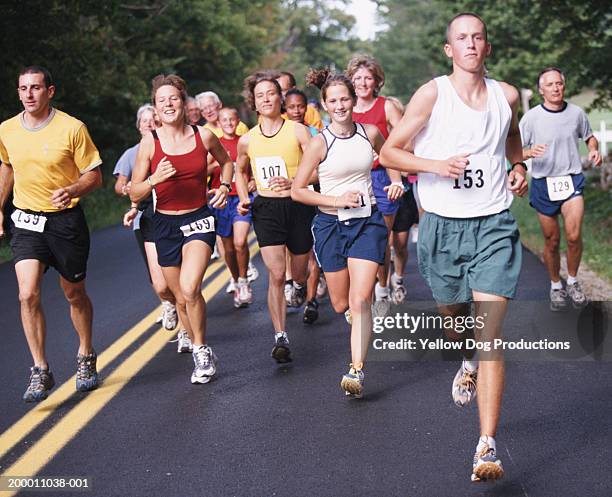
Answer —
368 78
171 162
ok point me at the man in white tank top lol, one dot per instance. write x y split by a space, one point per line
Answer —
458 131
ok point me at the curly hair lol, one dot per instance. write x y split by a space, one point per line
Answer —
324 78
250 82
168 80
371 64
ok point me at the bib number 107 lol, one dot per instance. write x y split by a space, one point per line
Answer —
268 172
471 178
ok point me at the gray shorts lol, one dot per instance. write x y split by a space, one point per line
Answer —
457 256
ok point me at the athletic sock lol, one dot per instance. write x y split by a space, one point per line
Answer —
243 281
571 280
381 292
396 279
280 334
486 440
470 365
556 285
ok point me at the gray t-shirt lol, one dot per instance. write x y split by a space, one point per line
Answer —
560 131
124 167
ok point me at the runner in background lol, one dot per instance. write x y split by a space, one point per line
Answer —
550 134
233 228
286 80
146 120
368 78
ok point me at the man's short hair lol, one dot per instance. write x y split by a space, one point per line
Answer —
190 99
292 81
208 94
37 70
549 69
465 14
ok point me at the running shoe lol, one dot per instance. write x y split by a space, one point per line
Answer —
381 307
237 303
169 318
558 300
321 287
87 375
464 386
487 465
352 382
205 362
348 315
311 311
184 345
231 286
245 294
281 352
288 292
41 381
398 291
252 272
215 253
576 295
298 296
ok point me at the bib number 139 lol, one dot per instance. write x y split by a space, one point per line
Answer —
471 178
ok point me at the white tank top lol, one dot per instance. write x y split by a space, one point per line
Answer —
454 128
347 165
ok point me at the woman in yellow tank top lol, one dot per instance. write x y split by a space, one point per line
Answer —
273 149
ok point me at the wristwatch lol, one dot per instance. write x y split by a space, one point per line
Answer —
227 185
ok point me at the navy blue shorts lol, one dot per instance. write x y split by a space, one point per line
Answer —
380 179
335 241
408 213
169 239
227 217
540 201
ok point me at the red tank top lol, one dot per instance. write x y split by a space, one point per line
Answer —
375 115
231 147
187 188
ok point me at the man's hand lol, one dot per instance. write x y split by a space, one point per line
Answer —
394 191
517 182
537 151
60 198
595 157
244 207
453 167
129 216
252 185
219 197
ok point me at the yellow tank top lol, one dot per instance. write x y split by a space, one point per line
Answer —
277 155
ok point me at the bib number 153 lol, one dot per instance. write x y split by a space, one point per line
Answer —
471 178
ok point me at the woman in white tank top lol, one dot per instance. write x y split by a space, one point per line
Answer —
349 232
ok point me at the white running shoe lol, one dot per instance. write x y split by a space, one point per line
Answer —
231 286
205 362
215 253
184 342
486 465
169 318
245 294
381 307
464 386
252 272
348 316
414 234
289 292
321 287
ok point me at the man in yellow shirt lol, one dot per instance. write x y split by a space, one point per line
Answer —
49 161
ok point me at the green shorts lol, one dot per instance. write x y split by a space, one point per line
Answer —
457 256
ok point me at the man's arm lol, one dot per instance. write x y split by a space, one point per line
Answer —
594 154
514 147
398 150
6 187
86 183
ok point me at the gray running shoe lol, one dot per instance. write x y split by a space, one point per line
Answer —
298 296
352 382
41 381
288 292
169 318
558 300
184 344
281 352
464 386
381 307
486 465
87 375
577 296
348 315
398 291
205 362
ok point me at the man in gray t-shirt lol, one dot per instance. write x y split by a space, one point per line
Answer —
550 134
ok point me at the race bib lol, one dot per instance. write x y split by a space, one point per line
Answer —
30 222
365 207
475 182
269 167
205 225
559 187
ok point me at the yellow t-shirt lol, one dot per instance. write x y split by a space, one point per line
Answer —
274 155
241 129
43 160
312 117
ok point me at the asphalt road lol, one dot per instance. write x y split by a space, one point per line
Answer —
264 430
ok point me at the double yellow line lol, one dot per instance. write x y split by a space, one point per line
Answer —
39 454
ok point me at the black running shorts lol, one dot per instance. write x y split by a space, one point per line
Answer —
281 221
64 243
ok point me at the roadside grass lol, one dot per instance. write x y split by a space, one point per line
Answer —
596 228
